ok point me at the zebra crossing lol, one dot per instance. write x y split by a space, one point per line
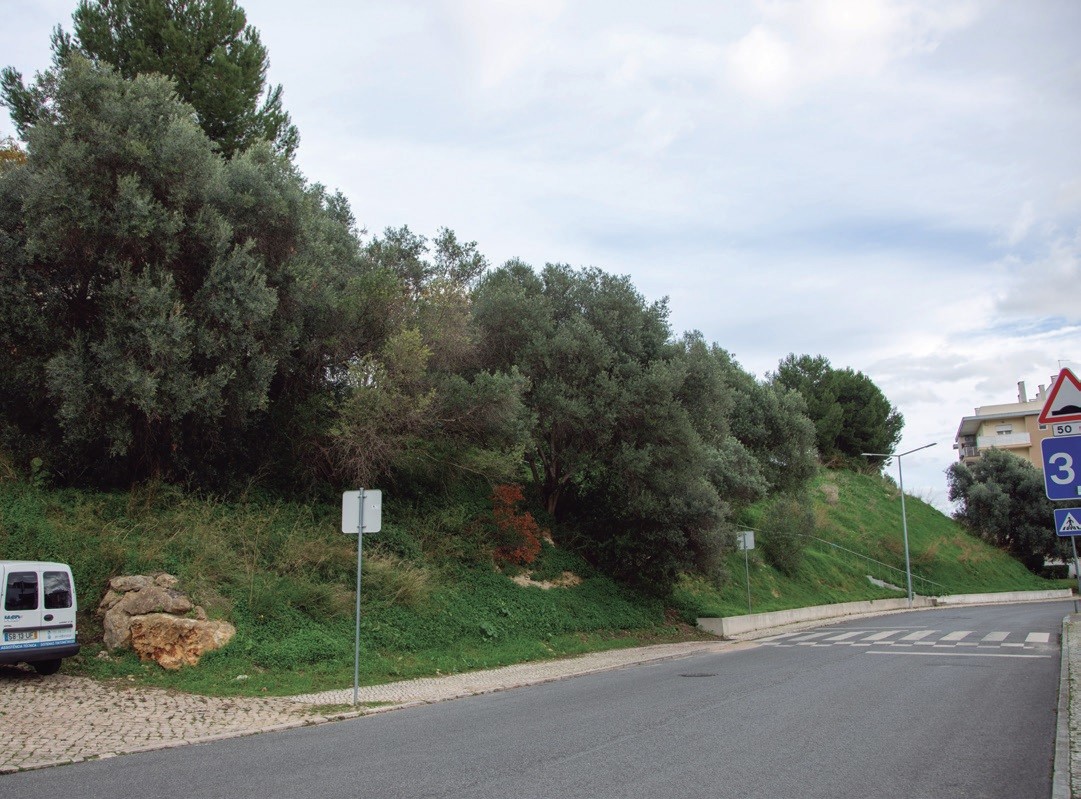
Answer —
909 638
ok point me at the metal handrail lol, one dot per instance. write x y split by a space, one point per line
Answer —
850 551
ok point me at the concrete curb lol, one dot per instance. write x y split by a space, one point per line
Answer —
1060 774
507 678
730 627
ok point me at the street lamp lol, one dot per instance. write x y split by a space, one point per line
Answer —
904 518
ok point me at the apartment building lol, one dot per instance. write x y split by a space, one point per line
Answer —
1013 427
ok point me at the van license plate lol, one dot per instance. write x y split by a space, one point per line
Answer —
21 636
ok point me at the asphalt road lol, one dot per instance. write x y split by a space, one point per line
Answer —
897 706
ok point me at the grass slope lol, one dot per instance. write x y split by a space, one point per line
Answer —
432 600
861 515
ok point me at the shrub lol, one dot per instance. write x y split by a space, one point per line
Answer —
786 523
518 536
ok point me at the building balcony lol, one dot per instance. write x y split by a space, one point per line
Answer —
1008 441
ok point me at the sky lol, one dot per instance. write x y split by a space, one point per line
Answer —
894 185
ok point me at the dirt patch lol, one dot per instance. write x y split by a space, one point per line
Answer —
565 580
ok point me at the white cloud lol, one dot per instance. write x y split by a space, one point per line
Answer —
504 35
1046 286
761 65
803 43
1022 224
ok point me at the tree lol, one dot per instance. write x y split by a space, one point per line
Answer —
579 338
10 153
421 413
159 305
1002 500
771 423
636 438
402 423
216 60
433 290
851 415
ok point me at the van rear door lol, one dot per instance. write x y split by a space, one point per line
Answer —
22 608
57 607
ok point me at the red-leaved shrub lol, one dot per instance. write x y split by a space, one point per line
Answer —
518 534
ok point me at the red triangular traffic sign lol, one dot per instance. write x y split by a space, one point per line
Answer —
1064 402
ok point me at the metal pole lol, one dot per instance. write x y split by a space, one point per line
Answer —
904 526
904 516
1076 570
356 652
747 568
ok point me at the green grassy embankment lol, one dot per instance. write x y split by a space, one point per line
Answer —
433 601
862 514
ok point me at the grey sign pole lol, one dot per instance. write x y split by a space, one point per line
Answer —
356 648
747 569
354 506
746 543
1076 569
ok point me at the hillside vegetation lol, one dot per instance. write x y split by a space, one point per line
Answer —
433 599
183 311
858 533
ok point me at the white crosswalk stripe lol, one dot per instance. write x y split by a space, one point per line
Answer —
881 636
845 636
956 635
916 636
907 638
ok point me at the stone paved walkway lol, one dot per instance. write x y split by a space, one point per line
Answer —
47 721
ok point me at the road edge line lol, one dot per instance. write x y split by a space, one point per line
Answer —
1060 774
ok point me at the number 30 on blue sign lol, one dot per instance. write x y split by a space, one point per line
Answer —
1062 467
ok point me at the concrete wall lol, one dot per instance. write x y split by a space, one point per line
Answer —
1009 596
732 626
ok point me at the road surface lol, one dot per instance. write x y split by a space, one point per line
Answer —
941 703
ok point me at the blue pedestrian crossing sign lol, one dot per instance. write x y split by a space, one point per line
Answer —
1067 521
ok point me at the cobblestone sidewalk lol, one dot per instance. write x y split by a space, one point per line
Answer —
47 721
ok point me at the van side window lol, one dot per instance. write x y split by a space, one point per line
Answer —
57 590
22 591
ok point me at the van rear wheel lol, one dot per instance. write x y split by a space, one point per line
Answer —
46 667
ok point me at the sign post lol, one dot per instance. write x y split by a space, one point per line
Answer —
1062 456
746 543
362 512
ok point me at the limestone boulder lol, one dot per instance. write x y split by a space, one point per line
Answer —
117 629
154 599
111 598
166 580
119 610
130 582
149 615
173 641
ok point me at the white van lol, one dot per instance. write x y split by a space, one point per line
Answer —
38 601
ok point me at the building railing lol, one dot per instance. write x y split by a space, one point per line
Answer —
1008 440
